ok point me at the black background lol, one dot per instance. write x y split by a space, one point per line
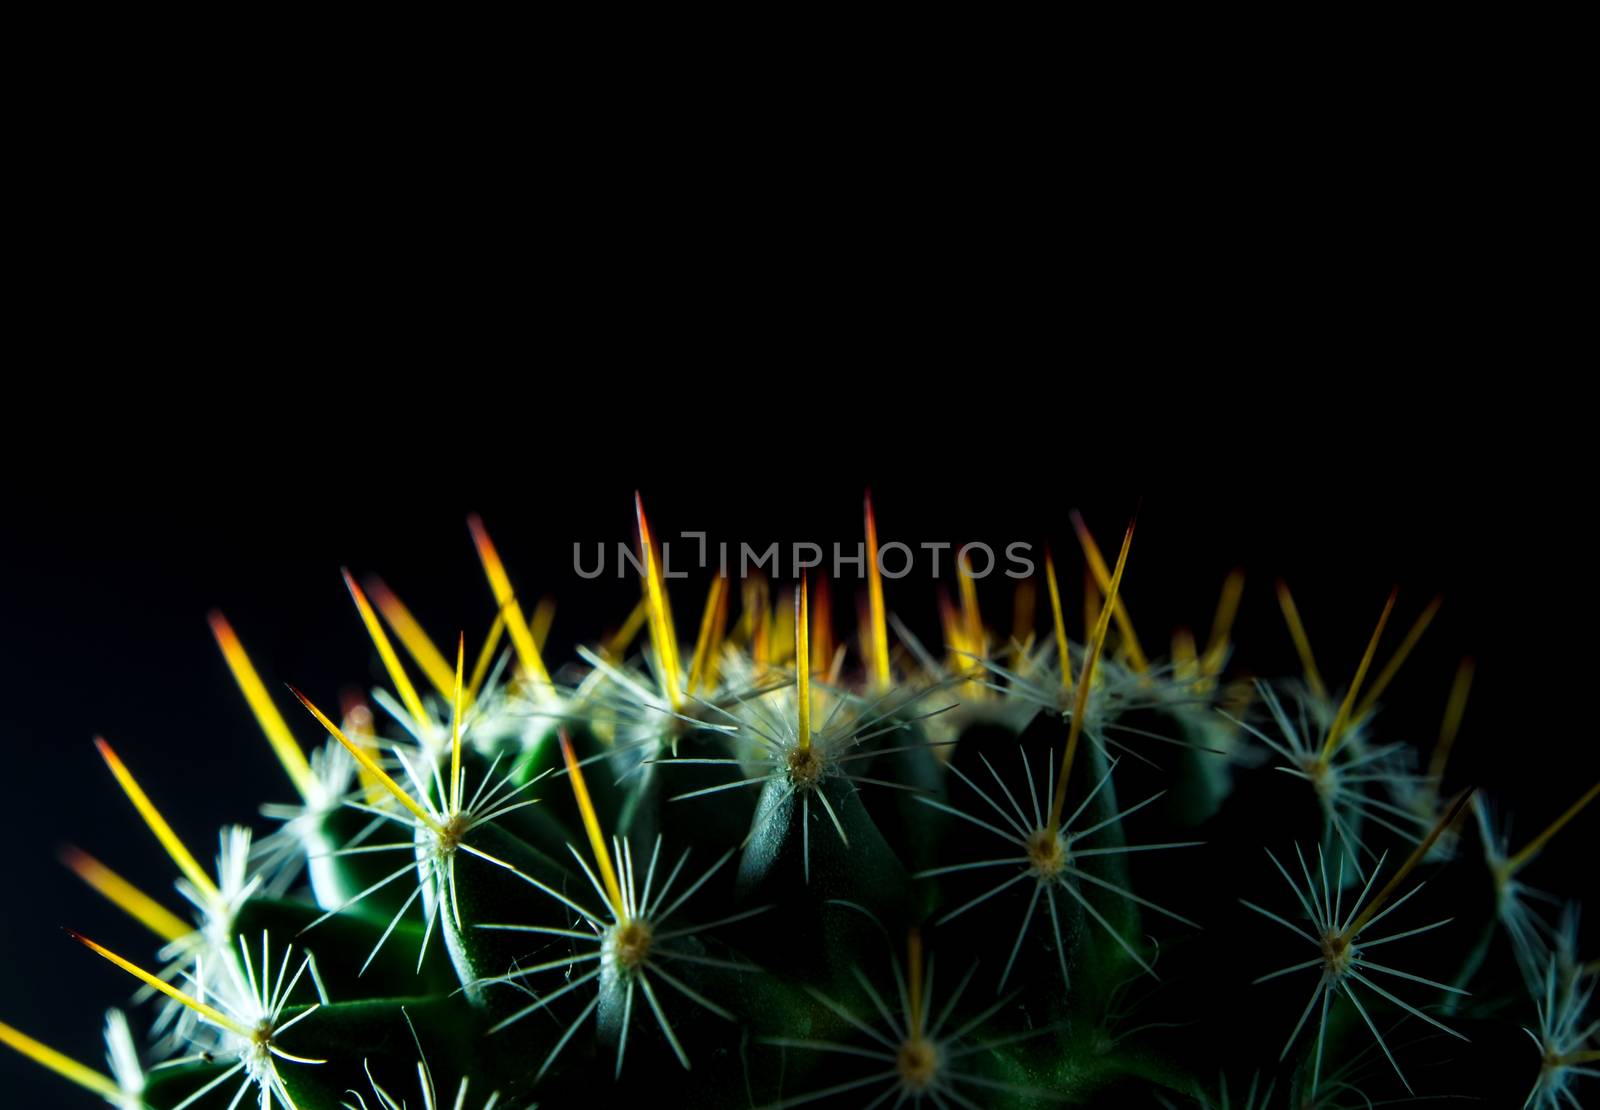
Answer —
106 585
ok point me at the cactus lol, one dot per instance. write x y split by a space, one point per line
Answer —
770 871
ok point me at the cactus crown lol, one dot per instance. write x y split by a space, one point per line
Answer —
728 875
